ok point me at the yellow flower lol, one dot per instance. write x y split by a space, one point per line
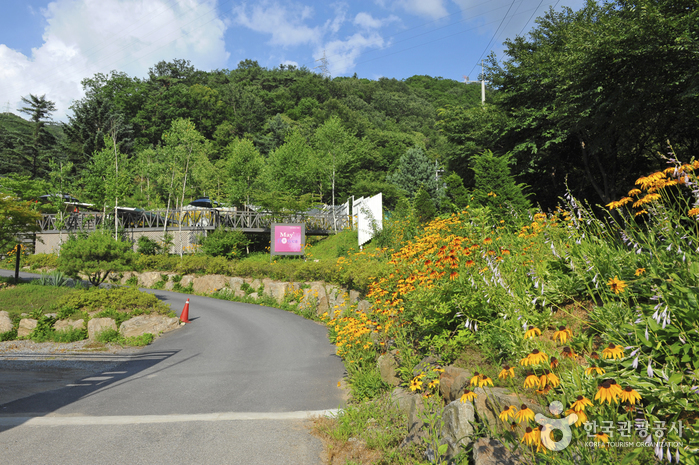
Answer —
532 332
616 285
630 395
639 271
476 377
554 362
534 358
509 411
590 370
562 334
606 392
530 436
433 383
601 437
640 212
415 384
484 381
635 192
580 403
506 371
525 413
582 416
531 381
693 212
613 351
468 396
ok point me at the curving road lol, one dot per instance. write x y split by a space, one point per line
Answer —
234 386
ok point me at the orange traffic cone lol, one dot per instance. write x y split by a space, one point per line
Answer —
184 316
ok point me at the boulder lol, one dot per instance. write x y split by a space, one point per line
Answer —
98 325
388 366
457 428
354 297
416 426
402 398
490 404
235 283
489 451
186 280
363 306
452 382
149 278
5 322
26 326
153 324
426 364
127 276
210 283
276 290
65 325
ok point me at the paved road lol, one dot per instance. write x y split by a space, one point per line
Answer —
234 386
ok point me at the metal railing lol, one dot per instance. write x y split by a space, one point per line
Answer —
317 222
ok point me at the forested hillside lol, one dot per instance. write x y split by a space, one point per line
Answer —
586 102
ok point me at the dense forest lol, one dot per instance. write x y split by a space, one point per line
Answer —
587 102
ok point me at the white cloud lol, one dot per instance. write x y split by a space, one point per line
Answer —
430 8
342 54
84 37
367 21
286 25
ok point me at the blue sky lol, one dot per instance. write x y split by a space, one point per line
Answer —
49 47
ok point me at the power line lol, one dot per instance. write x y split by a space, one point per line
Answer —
493 38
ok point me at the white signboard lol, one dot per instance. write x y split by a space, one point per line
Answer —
369 214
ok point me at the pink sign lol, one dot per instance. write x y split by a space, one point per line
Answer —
288 239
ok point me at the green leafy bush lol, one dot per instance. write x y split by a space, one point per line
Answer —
109 335
69 335
95 255
224 243
122 299
41 260
148 246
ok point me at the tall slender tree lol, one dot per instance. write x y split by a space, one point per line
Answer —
36 153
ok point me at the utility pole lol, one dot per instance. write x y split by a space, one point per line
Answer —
483 81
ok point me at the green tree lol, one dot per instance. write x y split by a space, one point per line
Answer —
244 164
496 187
94 255
36 152
17 217
424 206
415 170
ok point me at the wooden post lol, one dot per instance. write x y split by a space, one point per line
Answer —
19 252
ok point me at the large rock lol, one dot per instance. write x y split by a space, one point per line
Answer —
427 364
153 324
26 326
5 322
363 306
488 451
354 297
387 368
235 283
403 399
149 278
186 280
490 404
98 325
417 431
210 283
452 382
276 290
66 325
457 428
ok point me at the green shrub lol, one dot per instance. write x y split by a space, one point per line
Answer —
44 329
148 246
202 264
10 335
121 299
69 335
109 335
139 341
54 278
132 281
41 260
224 243
95 255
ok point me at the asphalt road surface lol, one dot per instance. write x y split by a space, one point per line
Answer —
236 385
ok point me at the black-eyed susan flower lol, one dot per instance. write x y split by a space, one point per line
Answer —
532 332
531 380
415 384
552 379
554 363
629 395
484 381
594 356
605 392
508 412
580 403
525 413
591 370
639 271
562 334
474 380
529 436
582 416
601 437
613 351
616 285
568 352
507 371
468 396
534 358
693 212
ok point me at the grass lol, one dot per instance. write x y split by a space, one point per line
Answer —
26 298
